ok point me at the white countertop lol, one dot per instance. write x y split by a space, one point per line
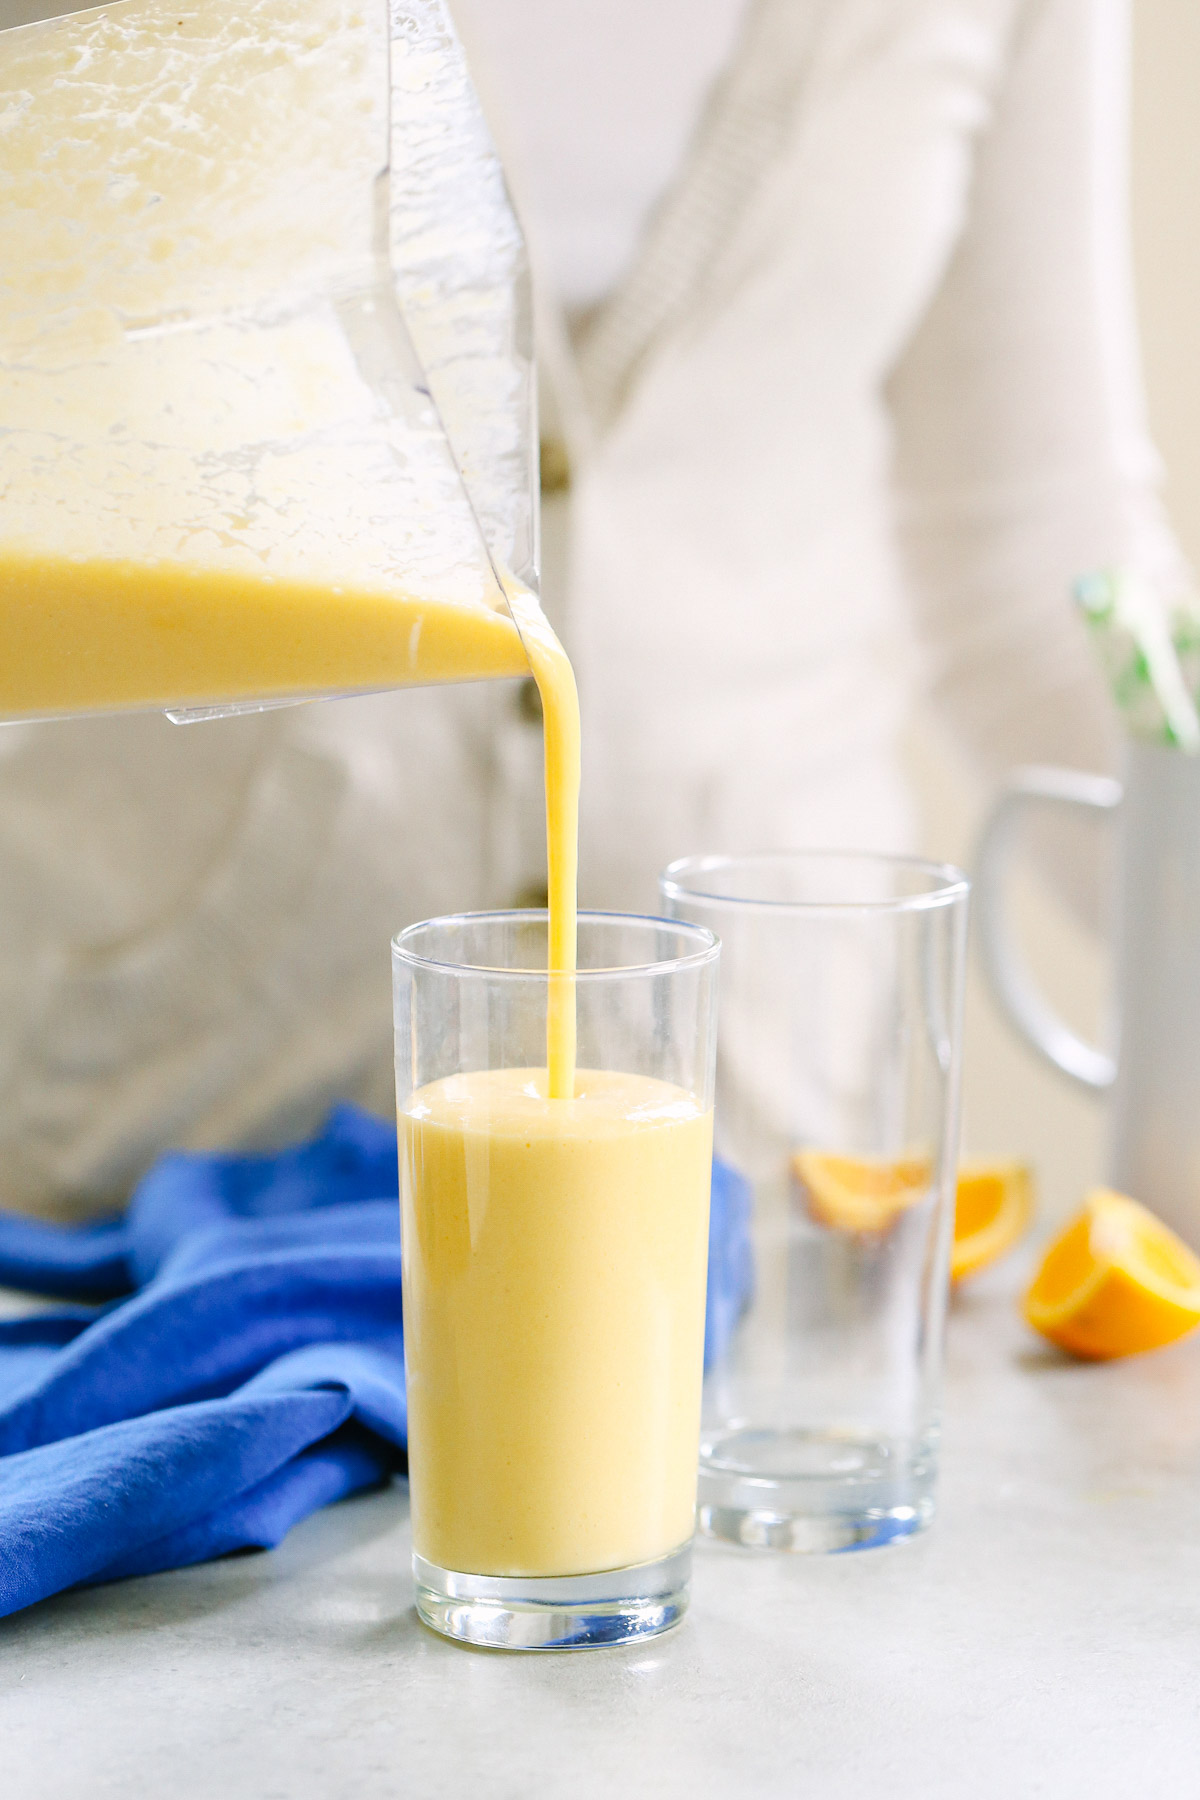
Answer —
1042 1639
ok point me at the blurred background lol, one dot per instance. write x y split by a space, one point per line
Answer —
1013 1105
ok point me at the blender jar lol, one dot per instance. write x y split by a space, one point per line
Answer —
266 394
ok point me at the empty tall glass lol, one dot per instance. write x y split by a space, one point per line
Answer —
837 1118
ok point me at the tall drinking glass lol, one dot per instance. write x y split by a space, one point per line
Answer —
837 1118
554 1274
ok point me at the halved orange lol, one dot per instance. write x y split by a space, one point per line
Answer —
1115 1282
860 1193
992 1210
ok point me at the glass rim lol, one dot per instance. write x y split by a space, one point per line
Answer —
948 883
708 950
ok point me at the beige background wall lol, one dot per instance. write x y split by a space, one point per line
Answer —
1166 220
1013 1105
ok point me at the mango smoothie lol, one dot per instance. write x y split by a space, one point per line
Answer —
554 1256
100 635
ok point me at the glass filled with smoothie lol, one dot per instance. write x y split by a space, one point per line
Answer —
554 1270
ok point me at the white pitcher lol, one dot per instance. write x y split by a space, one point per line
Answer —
1154 1077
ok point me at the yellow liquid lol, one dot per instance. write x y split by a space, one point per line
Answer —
560 724
84 635
554 1257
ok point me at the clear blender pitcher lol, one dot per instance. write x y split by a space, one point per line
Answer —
266 390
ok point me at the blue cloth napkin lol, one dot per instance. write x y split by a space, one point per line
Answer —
245 1364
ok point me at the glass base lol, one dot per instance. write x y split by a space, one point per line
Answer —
812 1491
560 1612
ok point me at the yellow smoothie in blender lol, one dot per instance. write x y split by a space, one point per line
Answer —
102 635
223 476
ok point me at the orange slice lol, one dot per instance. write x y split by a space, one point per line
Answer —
1116 1282
857 1193
992 1210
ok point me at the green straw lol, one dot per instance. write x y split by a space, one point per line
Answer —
1148 641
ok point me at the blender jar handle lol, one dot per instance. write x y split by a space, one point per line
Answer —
1016 992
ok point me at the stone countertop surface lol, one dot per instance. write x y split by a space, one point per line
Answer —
1042 1638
